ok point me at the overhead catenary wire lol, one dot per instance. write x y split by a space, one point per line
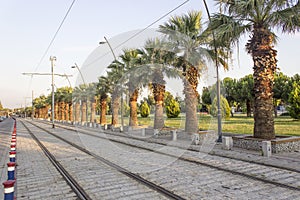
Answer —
139 32
53 38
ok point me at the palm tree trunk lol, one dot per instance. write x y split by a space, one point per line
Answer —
265 64
103 105
55 110
133 121
77 112
83 111
115 109
71 118
93 111
190 83
248 106
158 91
67 110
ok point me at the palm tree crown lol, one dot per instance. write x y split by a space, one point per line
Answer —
258 18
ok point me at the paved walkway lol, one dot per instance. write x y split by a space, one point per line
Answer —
29 171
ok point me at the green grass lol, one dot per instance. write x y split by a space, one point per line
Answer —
240 124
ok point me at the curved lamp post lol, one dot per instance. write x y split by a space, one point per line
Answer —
113 53
76 66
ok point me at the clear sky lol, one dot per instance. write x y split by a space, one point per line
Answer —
27 27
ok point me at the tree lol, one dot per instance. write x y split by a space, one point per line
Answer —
294 100
1 107
190 46
281 90
144 109
228 90
259 18
155 59
130 59
173 108
103 87
225 109
245 92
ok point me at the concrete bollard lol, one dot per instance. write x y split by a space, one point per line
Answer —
105 126
9 189
121 129
195 139
143 132
227 143
266 148
11 170
12 156
174 135
155 132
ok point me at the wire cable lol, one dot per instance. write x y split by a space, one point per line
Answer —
139 32
51 42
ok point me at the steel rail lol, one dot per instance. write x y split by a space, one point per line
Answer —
124 171
79 191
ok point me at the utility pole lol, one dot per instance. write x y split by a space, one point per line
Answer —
32 115
52 59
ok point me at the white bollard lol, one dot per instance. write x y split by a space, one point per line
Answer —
105 126
143 132
266 148
174 135
195 139
121 129
155 132
227 143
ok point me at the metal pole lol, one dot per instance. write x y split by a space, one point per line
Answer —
52 58
32 115
218 81
122 118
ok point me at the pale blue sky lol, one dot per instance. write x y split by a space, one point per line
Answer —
27 27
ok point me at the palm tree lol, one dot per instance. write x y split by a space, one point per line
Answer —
155 60
114 75
190 47
76 95
130 58
259 19
91 97
103 87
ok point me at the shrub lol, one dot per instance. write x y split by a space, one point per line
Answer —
172 109
225 109
294 100
144 109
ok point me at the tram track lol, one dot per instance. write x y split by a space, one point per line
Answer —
237 169
77 189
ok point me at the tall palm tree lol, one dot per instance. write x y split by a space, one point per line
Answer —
103 87
91 98
259 19
114 75
130 58
155 61
76 98
191 47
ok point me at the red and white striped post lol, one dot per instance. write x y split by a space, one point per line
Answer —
12 156
9 189
11 170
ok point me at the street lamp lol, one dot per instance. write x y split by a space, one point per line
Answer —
76 66
218 81
52 59
106 42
